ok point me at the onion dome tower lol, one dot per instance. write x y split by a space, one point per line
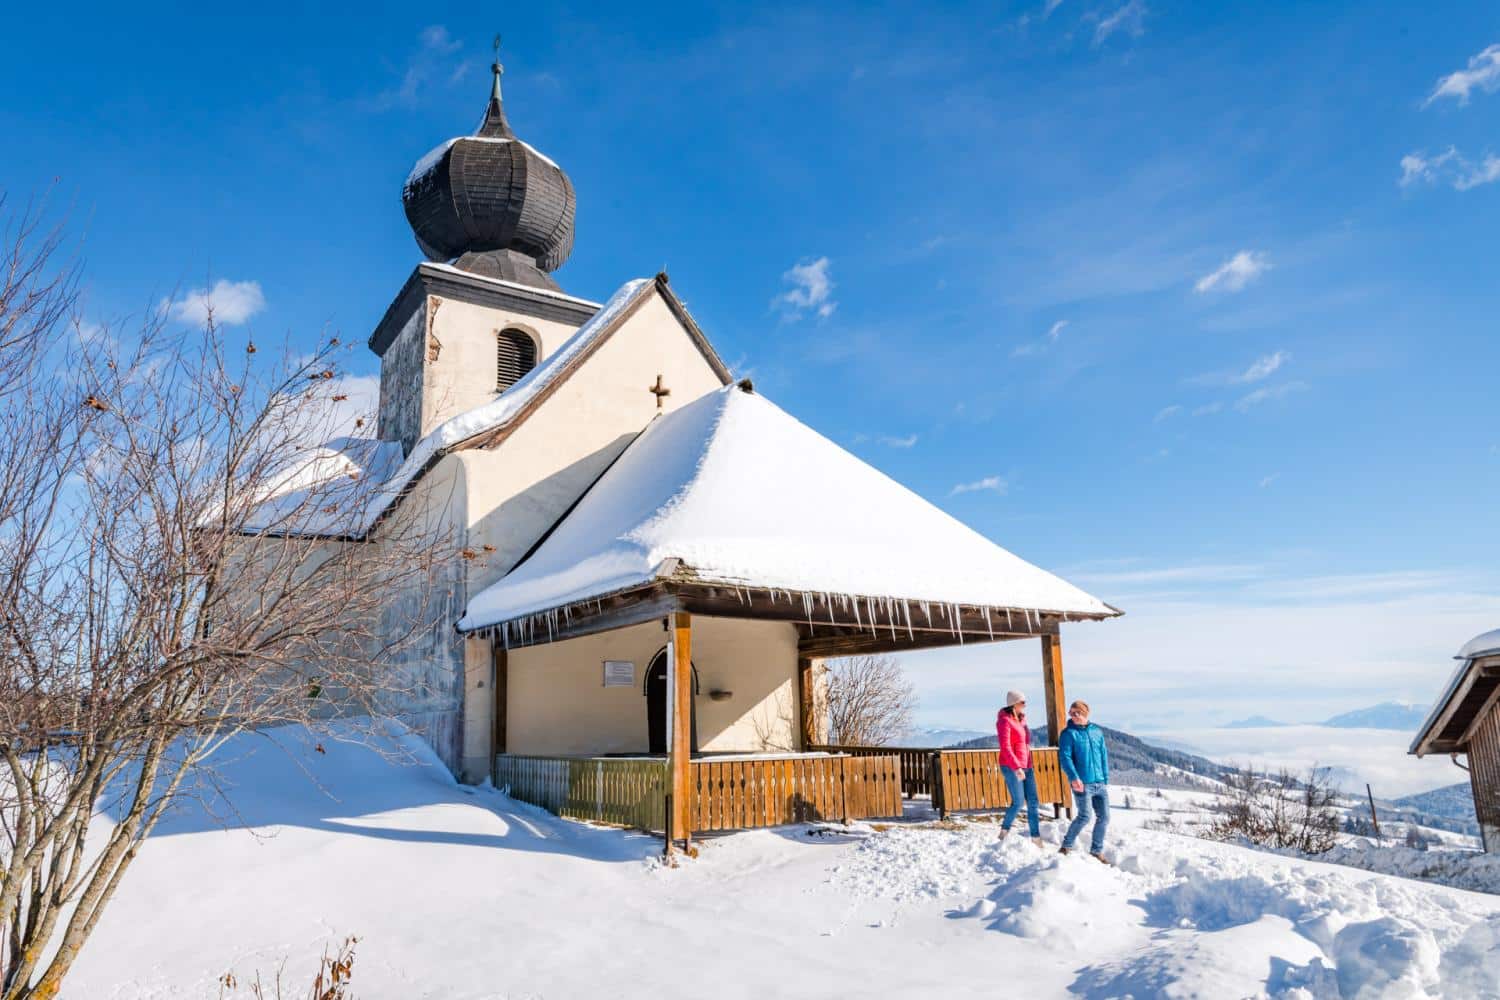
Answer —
499 207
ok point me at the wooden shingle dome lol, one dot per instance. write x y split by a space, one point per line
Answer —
493 203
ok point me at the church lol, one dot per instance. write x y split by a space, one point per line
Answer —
654 558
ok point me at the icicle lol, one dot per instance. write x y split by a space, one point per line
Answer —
987 624
906 610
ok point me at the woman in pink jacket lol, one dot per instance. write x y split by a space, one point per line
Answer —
1015 763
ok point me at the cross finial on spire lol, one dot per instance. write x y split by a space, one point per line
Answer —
494 124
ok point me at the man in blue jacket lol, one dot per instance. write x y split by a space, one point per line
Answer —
1085 761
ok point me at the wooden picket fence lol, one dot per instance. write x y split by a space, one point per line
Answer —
970 779
623 791
916 776
729 794
743 794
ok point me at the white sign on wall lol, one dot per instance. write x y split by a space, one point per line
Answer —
619 673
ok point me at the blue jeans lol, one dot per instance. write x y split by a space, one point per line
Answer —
1014 785
1094 802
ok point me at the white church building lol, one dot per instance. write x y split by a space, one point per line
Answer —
619 504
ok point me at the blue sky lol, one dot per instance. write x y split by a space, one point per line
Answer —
1195 304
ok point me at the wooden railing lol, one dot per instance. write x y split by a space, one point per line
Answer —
728 794
970 779
742 794
916 776
626 792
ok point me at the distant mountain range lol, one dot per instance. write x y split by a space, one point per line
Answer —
936 737
1387 715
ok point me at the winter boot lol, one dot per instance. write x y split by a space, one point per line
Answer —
1038 842
1099 856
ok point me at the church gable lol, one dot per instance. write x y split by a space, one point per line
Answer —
524 475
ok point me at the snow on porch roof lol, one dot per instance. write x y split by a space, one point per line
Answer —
742 493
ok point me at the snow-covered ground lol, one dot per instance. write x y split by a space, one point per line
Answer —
463 893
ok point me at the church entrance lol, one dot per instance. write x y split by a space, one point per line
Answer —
656 704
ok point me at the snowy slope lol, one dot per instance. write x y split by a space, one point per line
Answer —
461 893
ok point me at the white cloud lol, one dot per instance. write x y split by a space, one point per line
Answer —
1449 167
1263 367
1033 348
1130 19
1235 273
230 302
432 60
1268 480
1260 369
1482 73
811 291
1050 6
1166 412
1207 408
993 484
897 442
1266 393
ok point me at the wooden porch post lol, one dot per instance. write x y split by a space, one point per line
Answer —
498 710
807 710
1052 686
679 740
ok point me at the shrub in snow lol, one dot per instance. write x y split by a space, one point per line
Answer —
1282 812
331 982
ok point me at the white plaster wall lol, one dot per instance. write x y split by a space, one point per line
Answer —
479 709
519 489
464 337
557 704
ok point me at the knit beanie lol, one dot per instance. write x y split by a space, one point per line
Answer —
1011 697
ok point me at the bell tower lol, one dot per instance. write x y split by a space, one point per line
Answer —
494 218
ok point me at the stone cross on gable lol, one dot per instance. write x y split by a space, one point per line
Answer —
659 390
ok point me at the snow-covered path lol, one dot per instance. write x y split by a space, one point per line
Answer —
462 893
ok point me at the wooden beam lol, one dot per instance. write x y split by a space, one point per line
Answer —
679 739
618 611
807 709
851 642
499 676
1052 686
872 618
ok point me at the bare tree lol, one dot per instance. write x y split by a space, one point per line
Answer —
867 700
160 590
1280 811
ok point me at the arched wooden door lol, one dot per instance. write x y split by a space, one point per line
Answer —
656 703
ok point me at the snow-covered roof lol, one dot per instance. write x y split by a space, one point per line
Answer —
326 490
388 480
740 492
1482 645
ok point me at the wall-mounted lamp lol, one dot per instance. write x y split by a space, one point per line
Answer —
717 695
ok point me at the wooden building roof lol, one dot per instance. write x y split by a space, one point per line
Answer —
1472 691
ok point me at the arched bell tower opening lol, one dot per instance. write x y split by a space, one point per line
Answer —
515 355
656 704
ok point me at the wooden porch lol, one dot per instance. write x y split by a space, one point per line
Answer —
728 792
680 796
748 791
